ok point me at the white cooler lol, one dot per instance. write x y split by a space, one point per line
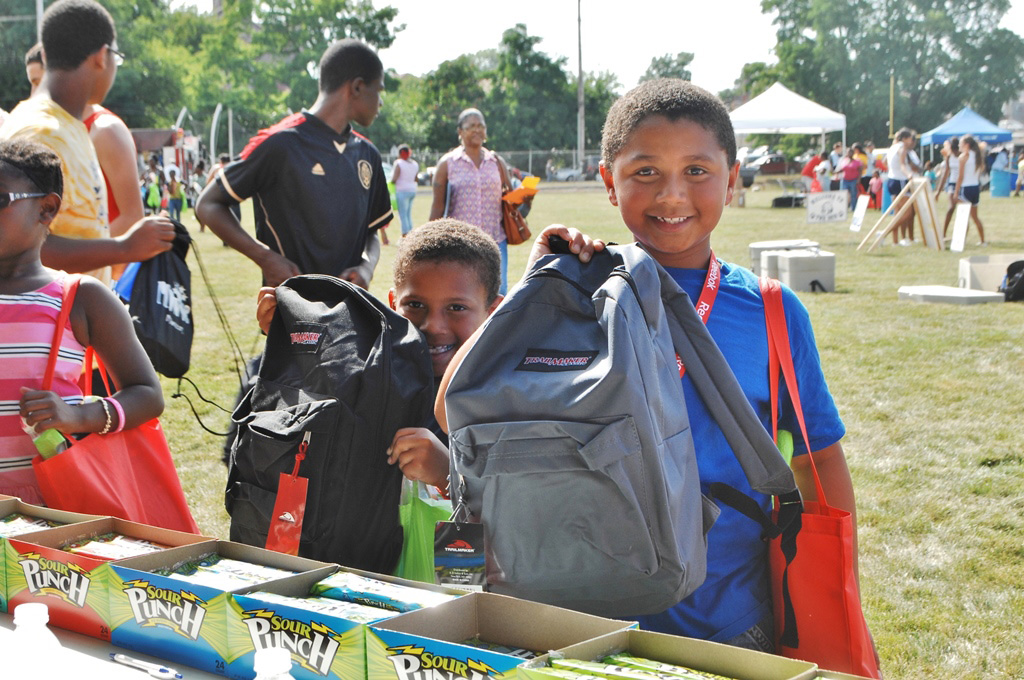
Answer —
985 272
800 269
769 263
757 247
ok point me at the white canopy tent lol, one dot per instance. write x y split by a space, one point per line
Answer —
779 110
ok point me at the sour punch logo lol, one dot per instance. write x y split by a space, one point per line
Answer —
47 577
183 612
415 663
314 643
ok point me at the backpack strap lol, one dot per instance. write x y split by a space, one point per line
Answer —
714 381
782 359
70 289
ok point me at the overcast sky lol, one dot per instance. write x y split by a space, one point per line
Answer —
618 36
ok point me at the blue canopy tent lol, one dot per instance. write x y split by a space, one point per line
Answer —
967 122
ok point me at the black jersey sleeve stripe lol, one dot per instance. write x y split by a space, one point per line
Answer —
227 185
382 220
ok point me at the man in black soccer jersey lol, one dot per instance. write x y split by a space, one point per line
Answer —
319 191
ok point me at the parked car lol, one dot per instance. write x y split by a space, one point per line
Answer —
425 177
747 175
770 164
568 175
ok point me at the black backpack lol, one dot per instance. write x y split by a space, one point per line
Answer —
1013 283
159 294
343 372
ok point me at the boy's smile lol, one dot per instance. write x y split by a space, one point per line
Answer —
447 302
671 182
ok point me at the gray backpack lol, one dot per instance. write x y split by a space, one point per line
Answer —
570 435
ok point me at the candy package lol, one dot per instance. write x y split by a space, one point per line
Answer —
350 611
223 573
17 523
349 587
112 546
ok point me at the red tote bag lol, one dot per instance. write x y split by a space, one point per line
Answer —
128 474
818 614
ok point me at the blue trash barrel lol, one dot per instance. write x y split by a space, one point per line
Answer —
1002 182
886 197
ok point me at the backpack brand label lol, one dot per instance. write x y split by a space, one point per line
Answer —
307 337
551 360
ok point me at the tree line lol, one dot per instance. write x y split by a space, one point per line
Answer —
260 60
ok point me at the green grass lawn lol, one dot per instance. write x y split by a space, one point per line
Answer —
930 393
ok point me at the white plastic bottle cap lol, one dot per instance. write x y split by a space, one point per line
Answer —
272 661
31 612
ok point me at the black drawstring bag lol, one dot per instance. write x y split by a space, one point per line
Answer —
160 303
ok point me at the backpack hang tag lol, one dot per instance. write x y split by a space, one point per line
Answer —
459 554
289 507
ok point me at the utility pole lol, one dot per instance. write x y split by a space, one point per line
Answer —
580 117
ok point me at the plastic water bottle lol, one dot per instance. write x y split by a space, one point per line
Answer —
273 663
33 650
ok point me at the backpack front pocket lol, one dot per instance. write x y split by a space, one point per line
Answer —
560 501
266 446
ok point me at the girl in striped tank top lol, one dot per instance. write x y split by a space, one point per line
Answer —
30 302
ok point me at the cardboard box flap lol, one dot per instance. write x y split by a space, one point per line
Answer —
502 620
230 550
713 657
59 536
10 505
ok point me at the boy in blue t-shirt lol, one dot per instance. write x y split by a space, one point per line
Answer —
669 165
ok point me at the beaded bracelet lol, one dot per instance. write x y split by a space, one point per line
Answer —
120 413
106 412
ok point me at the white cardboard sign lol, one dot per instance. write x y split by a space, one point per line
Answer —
827 206
859 212
963 213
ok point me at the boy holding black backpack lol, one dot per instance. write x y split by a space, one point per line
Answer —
446 280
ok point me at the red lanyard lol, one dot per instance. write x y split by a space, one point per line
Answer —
706 301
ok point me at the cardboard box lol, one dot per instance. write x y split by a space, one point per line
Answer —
956 296
428 642
74 587
808 270
321 645
180 621
985 272
757 247
10 505
701 655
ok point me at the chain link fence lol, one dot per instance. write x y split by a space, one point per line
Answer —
553 165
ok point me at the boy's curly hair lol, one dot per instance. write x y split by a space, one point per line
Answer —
74 29
36 162
448 240
674 99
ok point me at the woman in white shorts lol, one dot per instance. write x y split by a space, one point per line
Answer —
968 184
